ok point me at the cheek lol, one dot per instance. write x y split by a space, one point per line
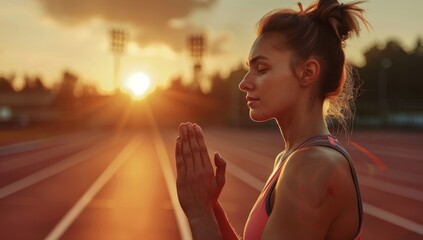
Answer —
270 84
286 88
280 97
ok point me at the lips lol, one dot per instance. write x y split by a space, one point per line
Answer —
249 98
252 101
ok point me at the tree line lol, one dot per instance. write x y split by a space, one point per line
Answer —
391 83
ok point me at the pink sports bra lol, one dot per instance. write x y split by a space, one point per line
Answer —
262 208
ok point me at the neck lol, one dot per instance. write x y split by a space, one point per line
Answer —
298 126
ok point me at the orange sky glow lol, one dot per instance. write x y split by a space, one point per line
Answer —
45 37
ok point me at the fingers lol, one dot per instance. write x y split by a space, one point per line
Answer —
180 163
186 149
205 160
220 170
195 149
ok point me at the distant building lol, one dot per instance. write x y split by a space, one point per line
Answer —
24 108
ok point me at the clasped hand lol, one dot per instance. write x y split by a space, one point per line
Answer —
198 185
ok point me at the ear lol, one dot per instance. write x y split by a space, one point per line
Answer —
310 72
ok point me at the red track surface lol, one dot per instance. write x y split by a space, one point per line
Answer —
108 185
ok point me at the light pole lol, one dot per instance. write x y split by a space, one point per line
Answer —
118 39
196 45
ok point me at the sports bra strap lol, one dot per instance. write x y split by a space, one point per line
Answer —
331 142
307 142
334 144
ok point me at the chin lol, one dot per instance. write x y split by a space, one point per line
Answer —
259 117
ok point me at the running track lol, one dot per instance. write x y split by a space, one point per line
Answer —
120 185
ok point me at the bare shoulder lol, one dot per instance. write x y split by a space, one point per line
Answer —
318 175
314 188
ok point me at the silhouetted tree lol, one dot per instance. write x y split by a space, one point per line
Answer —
177 85
89 91
65 96
396 70
418 49
6 85
34 85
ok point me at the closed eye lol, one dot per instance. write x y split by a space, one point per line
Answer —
261 68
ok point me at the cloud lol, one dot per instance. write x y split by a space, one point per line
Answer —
155 21
218 42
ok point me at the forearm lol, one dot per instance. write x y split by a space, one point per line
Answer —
226 230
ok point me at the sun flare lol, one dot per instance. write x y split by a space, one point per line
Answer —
138 85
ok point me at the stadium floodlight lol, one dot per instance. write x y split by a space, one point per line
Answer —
118 41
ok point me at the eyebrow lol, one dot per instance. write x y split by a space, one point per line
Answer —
255 59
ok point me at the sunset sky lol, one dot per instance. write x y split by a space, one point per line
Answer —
44 37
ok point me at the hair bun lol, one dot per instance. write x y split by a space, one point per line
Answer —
331 11
343 18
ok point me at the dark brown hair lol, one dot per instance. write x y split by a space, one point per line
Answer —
320 31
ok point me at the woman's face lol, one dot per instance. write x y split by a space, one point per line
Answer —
271 85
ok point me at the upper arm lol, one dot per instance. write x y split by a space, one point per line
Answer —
311 191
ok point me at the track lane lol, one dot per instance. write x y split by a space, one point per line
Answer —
31 212
372 197
137 195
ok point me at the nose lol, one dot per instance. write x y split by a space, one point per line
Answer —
246 84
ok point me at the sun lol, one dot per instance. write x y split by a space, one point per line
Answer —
137 85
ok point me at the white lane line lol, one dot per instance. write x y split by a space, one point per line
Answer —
254 157
159 144
244 176
392 218
52 170
46 154
367 208
82 203
164 160
363 180
391 151
34 144
391 188
405 176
